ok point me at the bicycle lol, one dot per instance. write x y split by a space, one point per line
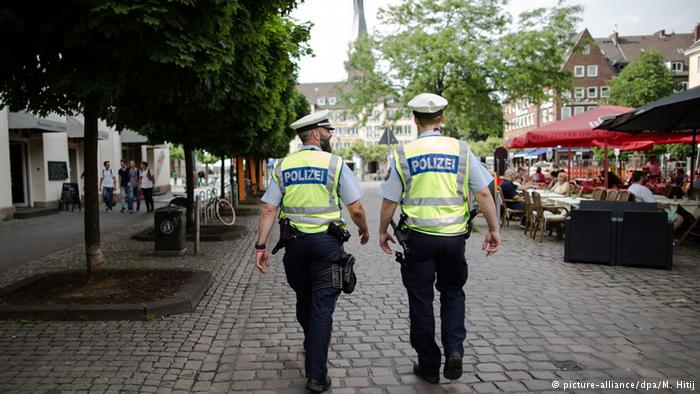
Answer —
213 207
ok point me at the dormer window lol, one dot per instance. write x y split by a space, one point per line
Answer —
677 66
321 101
331 100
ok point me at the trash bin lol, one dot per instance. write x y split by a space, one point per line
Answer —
170 237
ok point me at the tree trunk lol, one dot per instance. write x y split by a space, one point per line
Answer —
93 244
223 175
189 184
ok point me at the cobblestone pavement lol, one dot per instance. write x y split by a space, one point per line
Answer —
532 320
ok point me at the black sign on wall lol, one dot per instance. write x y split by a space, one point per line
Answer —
58 170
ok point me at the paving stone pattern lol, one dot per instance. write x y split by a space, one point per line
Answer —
532 319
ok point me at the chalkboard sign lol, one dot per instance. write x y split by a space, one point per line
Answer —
70 194
58 170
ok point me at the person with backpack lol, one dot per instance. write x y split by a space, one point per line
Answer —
146 185
134 194
107 186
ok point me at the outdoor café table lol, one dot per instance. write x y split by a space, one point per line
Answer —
691 206
545 194
566 201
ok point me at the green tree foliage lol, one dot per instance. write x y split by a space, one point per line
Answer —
486 147
461 50
87 56
644 80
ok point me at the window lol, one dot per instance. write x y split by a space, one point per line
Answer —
684 85
579 110
593 70
578 93
331 100
565 112
321 101
587 49
605 91
566 95
676 66
579 71
592 92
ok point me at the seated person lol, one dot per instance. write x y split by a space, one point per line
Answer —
613 180
509 191
539 176
562 185
643 194
553 180
677 183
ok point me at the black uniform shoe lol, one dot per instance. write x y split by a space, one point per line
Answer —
453 366
421 373
316 386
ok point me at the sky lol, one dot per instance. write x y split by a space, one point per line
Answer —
332 30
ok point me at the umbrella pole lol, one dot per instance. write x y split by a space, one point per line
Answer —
605 169
568 173
692 162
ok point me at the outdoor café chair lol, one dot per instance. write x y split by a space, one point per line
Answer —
611 196
528 213
599 194
546 216
623 195
507 214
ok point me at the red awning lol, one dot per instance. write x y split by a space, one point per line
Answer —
571 132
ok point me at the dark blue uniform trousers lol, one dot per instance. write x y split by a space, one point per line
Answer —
304 258
432 257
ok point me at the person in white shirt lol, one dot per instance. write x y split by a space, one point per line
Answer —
562 185
643 194
146 185
107 186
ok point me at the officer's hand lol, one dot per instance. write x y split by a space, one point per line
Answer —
262 260
492 242
384 239
364 236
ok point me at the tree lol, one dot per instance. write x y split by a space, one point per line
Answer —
644 80
245 108
486 147
85 55
460 49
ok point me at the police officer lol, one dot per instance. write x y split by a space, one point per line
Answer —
431 178
308 186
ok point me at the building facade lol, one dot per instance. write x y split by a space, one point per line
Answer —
386 116
593 62
39 154
693 54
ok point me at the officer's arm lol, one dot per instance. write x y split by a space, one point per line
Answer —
357 214
488 208
267 219
386 214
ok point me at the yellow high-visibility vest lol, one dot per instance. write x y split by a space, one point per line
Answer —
434 171
308 180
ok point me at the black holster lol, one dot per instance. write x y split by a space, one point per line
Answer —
472 214
401 234
287 232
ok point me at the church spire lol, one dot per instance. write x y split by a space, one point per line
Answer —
359 26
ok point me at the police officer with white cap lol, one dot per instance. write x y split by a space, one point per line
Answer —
308 187
431 179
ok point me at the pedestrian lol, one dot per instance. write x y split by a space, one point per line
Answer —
146 186
134 178
307 185
123 185
431 179
107 186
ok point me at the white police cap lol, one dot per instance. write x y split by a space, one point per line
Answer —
312 121
427 105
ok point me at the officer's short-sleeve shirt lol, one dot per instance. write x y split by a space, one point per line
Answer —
392 187
349 188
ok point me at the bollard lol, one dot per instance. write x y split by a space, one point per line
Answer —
198 207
